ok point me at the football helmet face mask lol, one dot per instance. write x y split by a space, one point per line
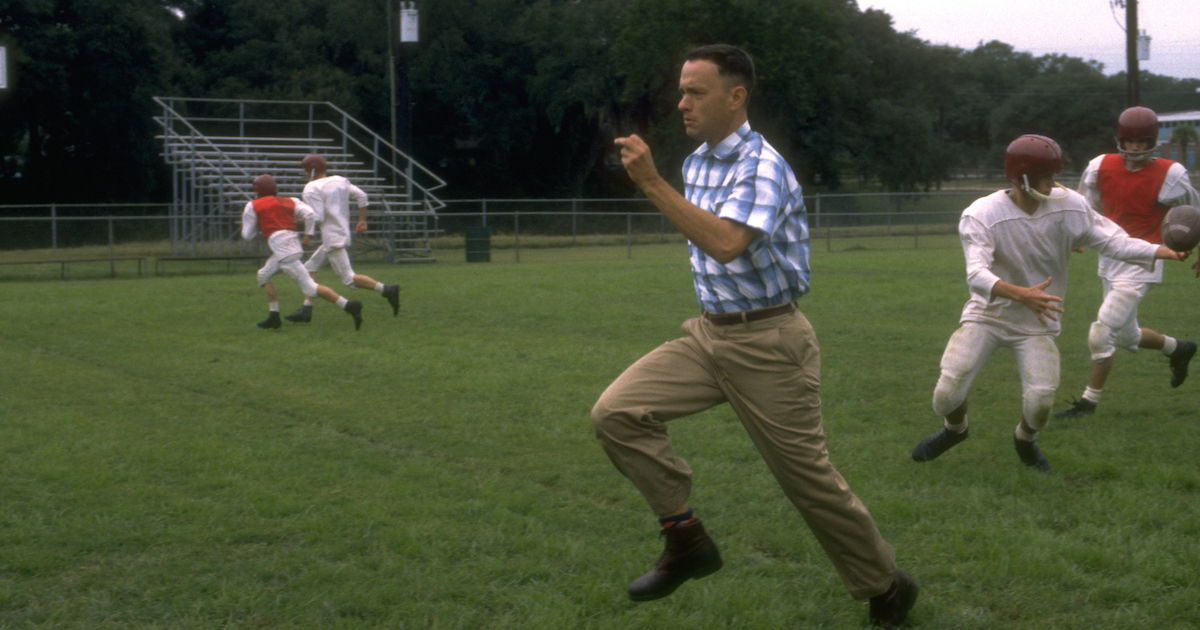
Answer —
1137 123
1030 158
313 165
264 186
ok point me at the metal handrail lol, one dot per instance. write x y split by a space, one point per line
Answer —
347 119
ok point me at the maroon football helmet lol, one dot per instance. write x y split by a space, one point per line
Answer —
1032 157
313 165
264 186
1137 123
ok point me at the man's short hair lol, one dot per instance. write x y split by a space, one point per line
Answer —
730 61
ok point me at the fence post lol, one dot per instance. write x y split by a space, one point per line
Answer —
54 230
629 236
888 197
485 213
517 235
828 227
915 231
574 219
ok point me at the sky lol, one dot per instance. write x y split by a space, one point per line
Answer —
1088 29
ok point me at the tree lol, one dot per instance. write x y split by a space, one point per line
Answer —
894 103
1183 136
315 50
797 47
79 124
1067 99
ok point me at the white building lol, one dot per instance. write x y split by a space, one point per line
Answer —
1167 124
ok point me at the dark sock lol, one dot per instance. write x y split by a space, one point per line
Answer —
679 520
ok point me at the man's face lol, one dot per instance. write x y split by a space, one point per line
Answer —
1141 144
707 104
1043 184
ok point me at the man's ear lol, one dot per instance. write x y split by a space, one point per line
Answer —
737 97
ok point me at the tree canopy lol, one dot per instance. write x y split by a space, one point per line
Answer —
524 97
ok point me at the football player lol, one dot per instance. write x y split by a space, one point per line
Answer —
330 196
276 217
1135 189
1018 244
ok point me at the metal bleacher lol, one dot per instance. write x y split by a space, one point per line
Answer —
216 147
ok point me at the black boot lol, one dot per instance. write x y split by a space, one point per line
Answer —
303 315
890 610
392 293
272 321
354 308
689 553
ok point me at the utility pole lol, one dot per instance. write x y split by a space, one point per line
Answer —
402 39
408 35
1131 54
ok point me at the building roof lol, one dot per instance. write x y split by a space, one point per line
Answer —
1192 116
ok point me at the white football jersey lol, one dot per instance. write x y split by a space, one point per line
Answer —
1002 242
330 199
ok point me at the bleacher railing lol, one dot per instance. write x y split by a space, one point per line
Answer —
216 147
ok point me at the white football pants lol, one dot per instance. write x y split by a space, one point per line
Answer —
285 256
338 259
1116 324
969 349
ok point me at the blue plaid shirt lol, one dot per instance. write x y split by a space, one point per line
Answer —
744 179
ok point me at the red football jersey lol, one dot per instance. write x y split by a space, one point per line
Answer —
274 214
1131 197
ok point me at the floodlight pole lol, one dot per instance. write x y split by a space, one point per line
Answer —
392 29
1131 56
406 37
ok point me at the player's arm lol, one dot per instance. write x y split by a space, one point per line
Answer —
305 215
1034 298
360 198
1110 240
361 226
1166 253
722 239
1177 189
249 222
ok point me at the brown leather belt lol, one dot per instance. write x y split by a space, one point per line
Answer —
745 317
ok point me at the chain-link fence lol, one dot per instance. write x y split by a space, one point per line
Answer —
836 222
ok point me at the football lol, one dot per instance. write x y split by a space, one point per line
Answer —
1181 228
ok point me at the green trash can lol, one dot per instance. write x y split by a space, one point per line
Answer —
479 244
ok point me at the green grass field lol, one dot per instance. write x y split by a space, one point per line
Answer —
166 464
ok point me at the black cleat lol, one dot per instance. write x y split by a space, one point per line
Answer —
890 610
936 444
1179 361
1078 408
354 308
272 321
1031 455
392 293
303 315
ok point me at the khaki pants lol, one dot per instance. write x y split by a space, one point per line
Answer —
769 372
